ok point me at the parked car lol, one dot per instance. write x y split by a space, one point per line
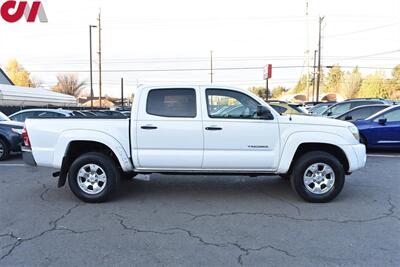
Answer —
361 112
318 109
22 115
342 107
108 113
172 130
285 108
381 130
10 136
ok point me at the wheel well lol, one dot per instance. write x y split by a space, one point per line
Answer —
331 149
77 148
3 138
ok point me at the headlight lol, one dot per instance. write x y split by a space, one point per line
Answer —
17 131
354 132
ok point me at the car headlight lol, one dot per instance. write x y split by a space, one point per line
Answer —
17 131
354 132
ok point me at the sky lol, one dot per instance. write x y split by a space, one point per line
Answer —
143 41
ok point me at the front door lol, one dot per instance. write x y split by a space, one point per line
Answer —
388 133
169 129
234 137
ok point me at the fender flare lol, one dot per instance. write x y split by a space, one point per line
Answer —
298 138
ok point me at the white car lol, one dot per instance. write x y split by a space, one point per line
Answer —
175 130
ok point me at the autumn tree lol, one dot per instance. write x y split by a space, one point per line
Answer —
334 79
18 75
259 91
351 83
395 83
374 85
278 92
301 85
69 84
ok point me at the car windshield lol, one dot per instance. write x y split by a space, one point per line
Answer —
3 117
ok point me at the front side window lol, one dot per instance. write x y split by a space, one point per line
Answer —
230 105
391 116
179 103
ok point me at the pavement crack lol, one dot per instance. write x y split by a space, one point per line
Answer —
197 237
246 251
45 189
284 201
54 227
284 216
135 229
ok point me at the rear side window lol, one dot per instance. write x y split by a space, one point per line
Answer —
175 103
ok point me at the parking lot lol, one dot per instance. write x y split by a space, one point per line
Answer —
201 221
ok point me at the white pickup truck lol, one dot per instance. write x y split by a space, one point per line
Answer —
196 130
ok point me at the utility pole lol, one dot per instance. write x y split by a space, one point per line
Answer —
308 53
314 72
321 19
100 82
91 66
122 93
211 66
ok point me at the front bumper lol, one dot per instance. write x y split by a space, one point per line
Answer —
357 156
28 156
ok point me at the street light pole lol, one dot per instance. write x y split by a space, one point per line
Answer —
91 66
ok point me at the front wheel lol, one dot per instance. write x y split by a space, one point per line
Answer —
93 177
4 150
318 177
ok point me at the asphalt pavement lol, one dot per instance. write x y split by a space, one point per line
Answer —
201 221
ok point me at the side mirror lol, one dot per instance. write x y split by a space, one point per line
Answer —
329 113
382 121
264 113
348 118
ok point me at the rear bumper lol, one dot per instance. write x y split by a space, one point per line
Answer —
28 156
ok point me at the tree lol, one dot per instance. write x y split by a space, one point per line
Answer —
395 83
351 83
69 84
278 92
259 91
301 85
18 75
374 85
334 79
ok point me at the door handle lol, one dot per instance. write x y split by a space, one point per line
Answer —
213 128
148 127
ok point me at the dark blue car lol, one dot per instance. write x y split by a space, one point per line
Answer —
10 136
381 130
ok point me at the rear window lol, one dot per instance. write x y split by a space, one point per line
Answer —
172 103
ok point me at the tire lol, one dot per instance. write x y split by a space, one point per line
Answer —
321 187
4 150
93 177
363 140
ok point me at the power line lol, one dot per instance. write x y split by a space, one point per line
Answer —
361 31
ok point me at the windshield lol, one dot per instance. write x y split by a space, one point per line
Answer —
3 117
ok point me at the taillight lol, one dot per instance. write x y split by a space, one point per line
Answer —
25 137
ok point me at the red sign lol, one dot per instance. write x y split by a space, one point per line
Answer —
12 11
268 72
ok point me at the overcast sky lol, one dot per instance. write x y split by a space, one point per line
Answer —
174 34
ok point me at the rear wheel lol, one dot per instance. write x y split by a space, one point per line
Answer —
93 177
318 177
4 150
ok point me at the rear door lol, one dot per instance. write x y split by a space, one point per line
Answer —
169 129
237 140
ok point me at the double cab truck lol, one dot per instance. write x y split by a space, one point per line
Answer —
216 130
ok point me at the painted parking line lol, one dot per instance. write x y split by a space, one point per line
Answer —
12 165
383 156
